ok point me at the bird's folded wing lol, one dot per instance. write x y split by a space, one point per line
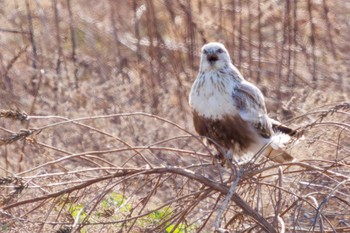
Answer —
250 102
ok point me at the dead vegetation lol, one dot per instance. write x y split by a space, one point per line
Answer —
96 134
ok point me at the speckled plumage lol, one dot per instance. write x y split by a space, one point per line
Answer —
230 110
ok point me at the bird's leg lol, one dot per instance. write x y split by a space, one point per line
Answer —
219 157
229 156
224 157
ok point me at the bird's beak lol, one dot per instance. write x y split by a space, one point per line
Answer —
212 58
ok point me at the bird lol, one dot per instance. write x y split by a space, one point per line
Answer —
230 111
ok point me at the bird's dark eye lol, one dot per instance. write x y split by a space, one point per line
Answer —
219 51
205 51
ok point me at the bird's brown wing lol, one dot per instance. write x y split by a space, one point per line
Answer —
251 104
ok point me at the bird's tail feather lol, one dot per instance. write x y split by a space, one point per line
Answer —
279 127
277 148
279 155
279 140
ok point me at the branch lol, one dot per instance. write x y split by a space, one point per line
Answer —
223 189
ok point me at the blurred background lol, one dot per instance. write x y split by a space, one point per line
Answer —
73 58
86 58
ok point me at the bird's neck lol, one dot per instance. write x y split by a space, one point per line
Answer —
226 72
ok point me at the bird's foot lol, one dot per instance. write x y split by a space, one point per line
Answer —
224 158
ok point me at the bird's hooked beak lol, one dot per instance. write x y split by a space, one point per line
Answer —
212 58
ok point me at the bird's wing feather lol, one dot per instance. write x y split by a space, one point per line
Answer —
250 102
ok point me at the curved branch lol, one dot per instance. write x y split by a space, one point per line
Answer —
223 189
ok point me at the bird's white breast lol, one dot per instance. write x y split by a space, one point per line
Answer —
211 95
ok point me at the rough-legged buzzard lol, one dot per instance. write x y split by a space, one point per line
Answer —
231 112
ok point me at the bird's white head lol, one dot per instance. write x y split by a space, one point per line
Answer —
214 57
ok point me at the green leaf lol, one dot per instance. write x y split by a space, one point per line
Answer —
117 198
180 228
75 209
161 214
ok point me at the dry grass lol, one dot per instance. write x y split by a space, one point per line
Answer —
96 134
